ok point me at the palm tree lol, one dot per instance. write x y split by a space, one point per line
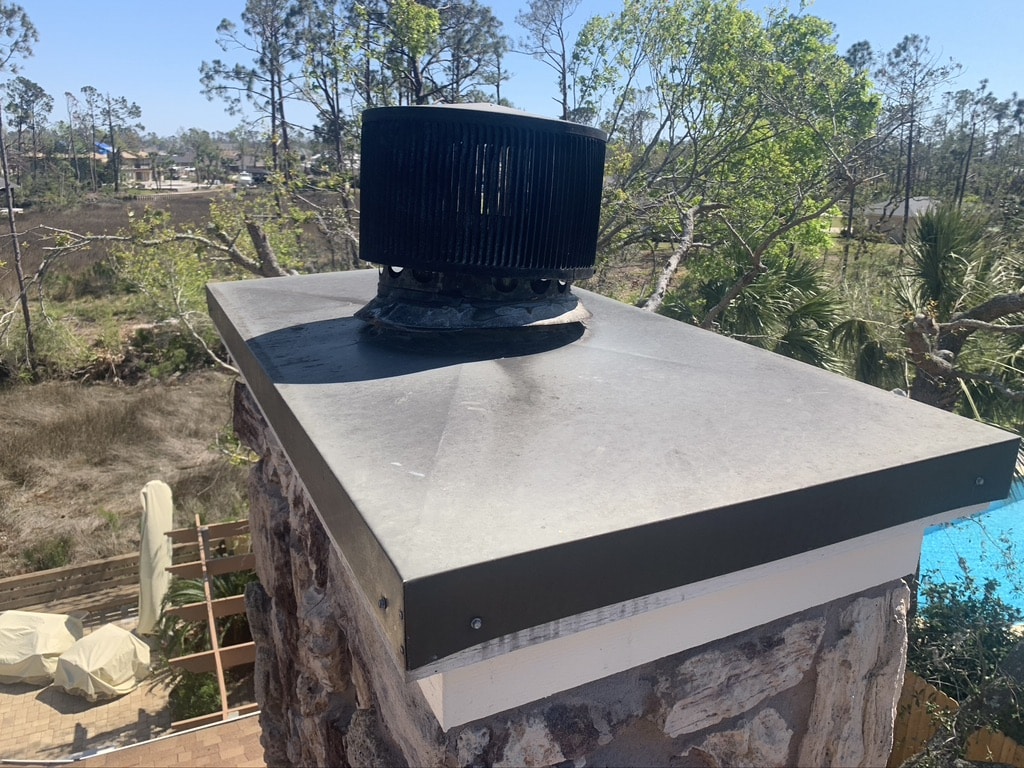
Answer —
790 309
180 637
962 312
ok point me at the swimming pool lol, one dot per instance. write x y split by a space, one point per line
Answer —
989 545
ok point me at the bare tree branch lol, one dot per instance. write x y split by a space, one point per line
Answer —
218 241
978 325
680 252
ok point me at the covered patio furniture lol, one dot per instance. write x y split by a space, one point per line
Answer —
31 642
106 663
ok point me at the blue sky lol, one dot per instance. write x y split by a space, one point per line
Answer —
150 50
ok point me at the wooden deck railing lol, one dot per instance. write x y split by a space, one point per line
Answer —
98 591
93 590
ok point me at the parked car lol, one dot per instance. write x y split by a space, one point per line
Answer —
244 179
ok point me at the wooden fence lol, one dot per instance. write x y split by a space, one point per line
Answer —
914 726
98 591
91 590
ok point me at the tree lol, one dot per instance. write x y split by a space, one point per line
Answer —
909 77
91 115
267 35
860 59
962 294
956 321
247 140
729 136
118 113
420 53
28 107
471 50
18 35
547 40
328 45
252 236
72 105
205 151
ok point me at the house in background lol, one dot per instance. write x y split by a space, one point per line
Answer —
136 167
886 218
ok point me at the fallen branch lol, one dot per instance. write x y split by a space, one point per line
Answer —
681 252
218 241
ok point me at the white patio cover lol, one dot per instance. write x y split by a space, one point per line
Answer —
154 552
31 642
106 663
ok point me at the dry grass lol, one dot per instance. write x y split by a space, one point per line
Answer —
99 217
74 458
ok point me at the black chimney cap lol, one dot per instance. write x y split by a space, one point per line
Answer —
480 189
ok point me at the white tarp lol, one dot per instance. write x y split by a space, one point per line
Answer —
31 642
108 662
154 552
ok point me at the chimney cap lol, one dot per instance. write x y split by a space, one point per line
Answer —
484 112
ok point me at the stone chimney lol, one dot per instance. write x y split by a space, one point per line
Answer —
496 527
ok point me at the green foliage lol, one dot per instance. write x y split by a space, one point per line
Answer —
706 102
730 137
281 223
406 52
111 520
415 27
53 552
951 265
790 310
870 358
959 642
957 264
237 452
58 350
171 275
198 694
95 280
168 273
961 634
169 349
194 695
18 33
179 637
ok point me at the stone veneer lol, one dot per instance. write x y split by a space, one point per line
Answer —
816 688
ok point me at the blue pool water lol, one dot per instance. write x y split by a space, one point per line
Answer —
991 545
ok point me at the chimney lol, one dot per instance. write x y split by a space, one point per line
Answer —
496 527
480 216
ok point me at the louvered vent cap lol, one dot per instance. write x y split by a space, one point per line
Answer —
480 189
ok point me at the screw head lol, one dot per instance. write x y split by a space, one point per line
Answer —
979 480
476 622
383 603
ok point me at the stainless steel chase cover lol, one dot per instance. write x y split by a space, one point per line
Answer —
490 481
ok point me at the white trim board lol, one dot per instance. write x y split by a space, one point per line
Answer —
517 669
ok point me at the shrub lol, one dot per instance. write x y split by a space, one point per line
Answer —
49 553
959 641
194 695
962 633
